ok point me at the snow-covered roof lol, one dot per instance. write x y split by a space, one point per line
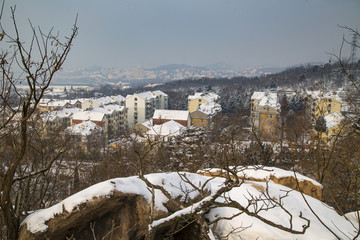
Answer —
209 96
104 100
64 113
89 115
171 114
54 103
266 99
118 98
170 128
146 95
210 108
109 109
147 123
333 119
158 92
84 128
318 95
60 103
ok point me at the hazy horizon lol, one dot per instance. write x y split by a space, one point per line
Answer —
146 33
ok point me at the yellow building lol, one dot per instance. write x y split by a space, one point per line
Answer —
264 113
199 98
199 119
333 125
322 104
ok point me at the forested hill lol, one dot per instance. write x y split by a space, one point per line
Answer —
304 75
235 93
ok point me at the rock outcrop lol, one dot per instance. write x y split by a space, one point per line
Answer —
288 179
121 216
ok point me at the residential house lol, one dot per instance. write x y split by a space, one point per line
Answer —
320 104
57 119
88 133
99 118
199 98
264 112
97 102
163 116
199 119
165 131
142 128
52 105
205 114
332 128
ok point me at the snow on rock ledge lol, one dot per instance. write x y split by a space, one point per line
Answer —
280 176
125 200
123 205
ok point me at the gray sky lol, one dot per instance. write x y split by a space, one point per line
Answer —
150 33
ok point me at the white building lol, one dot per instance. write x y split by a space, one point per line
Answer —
141 106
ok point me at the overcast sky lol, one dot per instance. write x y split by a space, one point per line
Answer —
150 33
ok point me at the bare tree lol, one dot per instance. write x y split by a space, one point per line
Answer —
32 64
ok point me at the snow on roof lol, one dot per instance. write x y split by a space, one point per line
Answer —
210 108
146 95
333 119
318 95
104 100
170 128
266 99
60 103
158 92
118 98
171 114
84 128
64 113
44 101
89 115
209 96
257 95
81 99
54 103
109 109
148 124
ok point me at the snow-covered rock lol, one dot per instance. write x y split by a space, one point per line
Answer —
122 206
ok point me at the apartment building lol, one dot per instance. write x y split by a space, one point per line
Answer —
141 106
116 117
